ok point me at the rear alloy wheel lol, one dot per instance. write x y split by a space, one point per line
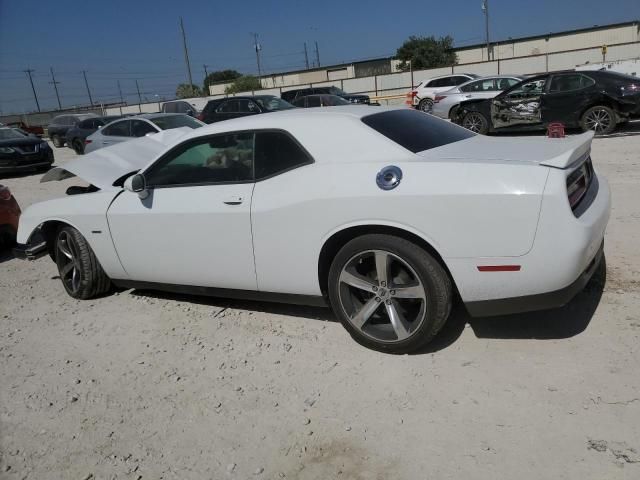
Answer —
57 141
600 119
475 122
389 293
78 146
426 105
80 272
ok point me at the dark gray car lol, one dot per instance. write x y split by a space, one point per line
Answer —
60 125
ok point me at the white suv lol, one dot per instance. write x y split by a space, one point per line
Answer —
423 95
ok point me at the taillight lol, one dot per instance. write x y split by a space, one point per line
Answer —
200 117
87 141
438 98
5 193
578 183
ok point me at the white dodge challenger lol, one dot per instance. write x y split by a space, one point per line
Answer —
386 214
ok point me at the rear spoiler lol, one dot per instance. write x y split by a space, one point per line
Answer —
578 148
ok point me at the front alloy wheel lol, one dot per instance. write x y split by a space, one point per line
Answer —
600 119
389 293
475 122
81 274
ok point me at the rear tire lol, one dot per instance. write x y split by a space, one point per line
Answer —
476 122
57 141
426 105
389 293
78 146
81 274
600 119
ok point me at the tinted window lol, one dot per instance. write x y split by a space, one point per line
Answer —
416 131
247 106
459 80
529 88
175 121
479 86
218 159
566 83
87 124
313 101
277 152
299 102
505 83
169 108
228 107
140 128
117 129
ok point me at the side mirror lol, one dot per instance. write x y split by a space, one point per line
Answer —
137 184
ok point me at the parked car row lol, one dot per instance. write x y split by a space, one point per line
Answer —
589 100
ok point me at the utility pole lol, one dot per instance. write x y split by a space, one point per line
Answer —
139 96
306 56
205 92
317 55
29 71
257 46
120 92
55 86
485 9
186 52
84 72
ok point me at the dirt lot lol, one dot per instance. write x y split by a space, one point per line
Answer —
139 385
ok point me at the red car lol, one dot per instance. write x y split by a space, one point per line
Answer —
9 216
34 129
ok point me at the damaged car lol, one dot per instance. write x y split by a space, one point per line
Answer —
596 101
389 222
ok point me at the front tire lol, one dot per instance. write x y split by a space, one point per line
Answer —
390 294
81 274
600 119
426 105
476 122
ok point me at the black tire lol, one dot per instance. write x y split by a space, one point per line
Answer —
426 105
600 119
432 279
453 112
476 122
57 141
78 146
91 281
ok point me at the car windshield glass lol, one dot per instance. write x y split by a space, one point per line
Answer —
416 131
273 103
175 121
10 134
337 91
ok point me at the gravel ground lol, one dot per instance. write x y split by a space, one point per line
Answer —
142 385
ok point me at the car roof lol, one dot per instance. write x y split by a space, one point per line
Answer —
151 116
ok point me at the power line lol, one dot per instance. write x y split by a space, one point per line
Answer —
55 86
186 52
29 71
84 72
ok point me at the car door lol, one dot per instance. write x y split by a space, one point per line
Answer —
520 105
116 132
194 228
568 95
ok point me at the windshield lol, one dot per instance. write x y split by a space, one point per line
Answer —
11 134
273 103
175 121
337 91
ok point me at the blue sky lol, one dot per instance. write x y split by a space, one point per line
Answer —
140 39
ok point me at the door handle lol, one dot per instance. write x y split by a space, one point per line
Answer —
467 96
233 200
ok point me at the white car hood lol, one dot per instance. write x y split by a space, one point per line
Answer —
552 152
104 166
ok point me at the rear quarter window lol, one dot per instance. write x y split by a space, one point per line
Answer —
416 131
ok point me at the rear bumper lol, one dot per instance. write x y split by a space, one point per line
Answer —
30 252
542 301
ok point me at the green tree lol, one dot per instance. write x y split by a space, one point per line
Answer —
220 76
245 83
185 90
426 52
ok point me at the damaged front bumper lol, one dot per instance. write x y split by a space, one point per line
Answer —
30 251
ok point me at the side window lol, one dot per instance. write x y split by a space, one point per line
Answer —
253 107
277 152
528 89
230 106
224 158
586 81
472 87
140 128
505 83
299 102
243 106
118 129
565 83
460 80
313 101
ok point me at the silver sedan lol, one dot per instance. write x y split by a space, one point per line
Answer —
446 102
138 126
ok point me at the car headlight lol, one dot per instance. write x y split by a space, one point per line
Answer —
6 150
